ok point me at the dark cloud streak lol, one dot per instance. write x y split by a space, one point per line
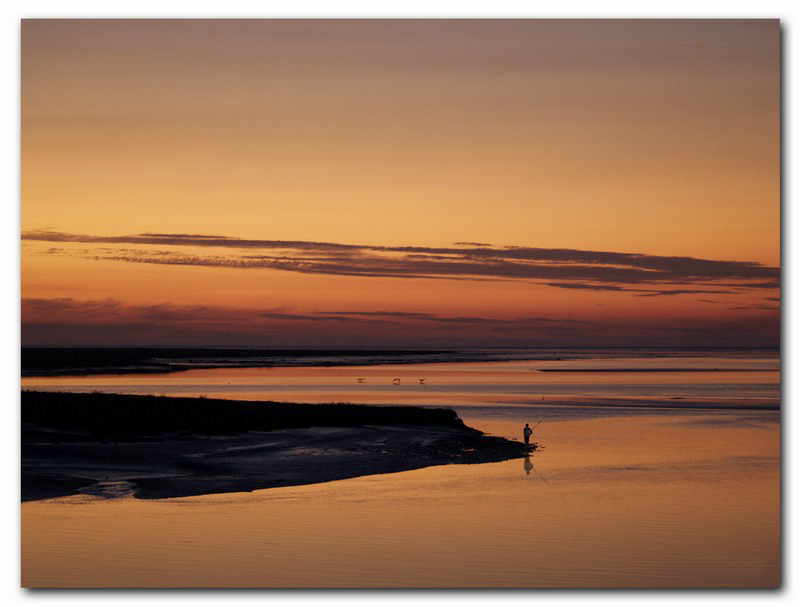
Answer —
108 321
560 268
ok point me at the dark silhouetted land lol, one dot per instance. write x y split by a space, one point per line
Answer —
157 447
41 362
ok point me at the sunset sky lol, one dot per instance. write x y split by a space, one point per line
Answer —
400 183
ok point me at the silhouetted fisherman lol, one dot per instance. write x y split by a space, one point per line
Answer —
526 432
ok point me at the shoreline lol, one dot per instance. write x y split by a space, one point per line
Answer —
161 447
69 362
46 362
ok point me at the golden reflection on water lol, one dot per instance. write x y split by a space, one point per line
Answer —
648 501
509 383
634 370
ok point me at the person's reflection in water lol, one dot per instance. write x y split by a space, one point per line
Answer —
528 465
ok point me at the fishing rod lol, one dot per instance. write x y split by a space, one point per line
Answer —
540 421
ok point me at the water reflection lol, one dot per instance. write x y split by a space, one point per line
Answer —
625 509
528 466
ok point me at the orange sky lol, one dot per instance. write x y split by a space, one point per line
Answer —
359 140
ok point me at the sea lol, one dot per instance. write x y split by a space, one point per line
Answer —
658 468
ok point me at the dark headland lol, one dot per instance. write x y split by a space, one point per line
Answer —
42 362
159 447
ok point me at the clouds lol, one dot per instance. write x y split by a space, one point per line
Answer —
60 321
112 310
644 275
67 321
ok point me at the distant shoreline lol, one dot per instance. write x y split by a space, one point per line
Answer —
49 362
162 447
79 361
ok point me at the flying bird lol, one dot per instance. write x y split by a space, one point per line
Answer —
422 380
396 381
360 380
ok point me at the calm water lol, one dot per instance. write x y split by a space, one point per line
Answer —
656 472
